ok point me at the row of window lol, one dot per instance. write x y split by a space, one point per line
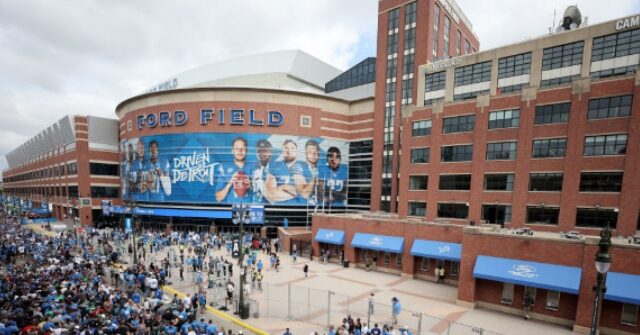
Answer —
538 182
585 217
556 57
601 145
600 108
69 169
628 317
96 191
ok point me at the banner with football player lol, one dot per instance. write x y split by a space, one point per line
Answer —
229 168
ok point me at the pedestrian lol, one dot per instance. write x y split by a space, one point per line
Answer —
277 263
396 309
528 304
287 332
441 273
436 274
372 303
294 252
181 269
306 270
259 280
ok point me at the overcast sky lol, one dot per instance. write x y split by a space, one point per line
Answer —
84 57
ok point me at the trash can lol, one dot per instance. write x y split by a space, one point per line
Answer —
244 311
346 263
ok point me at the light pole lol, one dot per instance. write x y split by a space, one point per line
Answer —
241 215
603 262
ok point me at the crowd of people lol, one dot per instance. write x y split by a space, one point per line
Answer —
67 284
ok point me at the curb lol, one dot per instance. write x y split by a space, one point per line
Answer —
221 314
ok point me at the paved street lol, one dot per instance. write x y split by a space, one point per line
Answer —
306 310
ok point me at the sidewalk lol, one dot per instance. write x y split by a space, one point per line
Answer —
351 289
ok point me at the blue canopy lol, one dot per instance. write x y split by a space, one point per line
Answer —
623 287
436 249
378 242
541 275
330 236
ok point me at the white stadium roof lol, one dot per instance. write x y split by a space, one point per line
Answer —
292 70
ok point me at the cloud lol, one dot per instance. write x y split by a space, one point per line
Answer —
84 57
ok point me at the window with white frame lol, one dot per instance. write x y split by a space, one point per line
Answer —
629 315
425 264
507 294
530 292
553 300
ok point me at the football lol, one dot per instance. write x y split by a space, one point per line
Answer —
241 185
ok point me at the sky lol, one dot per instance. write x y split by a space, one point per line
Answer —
68 57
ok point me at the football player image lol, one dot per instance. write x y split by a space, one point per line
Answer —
234 175
140 173
261 173
282 188
128 171
334 176
158 181
308 188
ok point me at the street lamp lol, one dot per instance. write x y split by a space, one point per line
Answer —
603 263
241 215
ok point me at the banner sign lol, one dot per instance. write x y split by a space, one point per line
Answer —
232 168
191 213
128 225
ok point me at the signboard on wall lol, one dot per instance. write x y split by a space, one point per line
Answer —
232 168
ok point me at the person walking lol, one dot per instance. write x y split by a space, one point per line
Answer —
295 253
306 270
441 273
181 269
396 309
527 305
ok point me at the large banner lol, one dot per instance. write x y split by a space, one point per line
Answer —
230 168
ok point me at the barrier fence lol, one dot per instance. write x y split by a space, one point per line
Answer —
321 308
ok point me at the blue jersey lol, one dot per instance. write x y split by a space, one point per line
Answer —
335 183
259 182
310 173
139 177
156 170
224 172
284 174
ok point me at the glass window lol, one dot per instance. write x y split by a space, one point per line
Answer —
456 153
596 217
418 183
420 155
399 259
471 74
496 214
452 210
458 124
514 65
551 147
455 269
499 182
603 108
562 55
417 209
545 182
543 215
435 81
360 74
553 300
458 42
394 18
425 264
436 36
504 119
501 151
364 254
460 182
467 47
507 294
557 113
629 315
601 181
615 45
103 169
104 192
604 145
72 168
421 128
445 35
410 13
386 256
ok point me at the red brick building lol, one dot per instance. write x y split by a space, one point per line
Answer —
72 165
503 151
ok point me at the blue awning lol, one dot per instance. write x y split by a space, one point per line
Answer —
436 249
378 242
541 275
330 236
623 287
40 211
